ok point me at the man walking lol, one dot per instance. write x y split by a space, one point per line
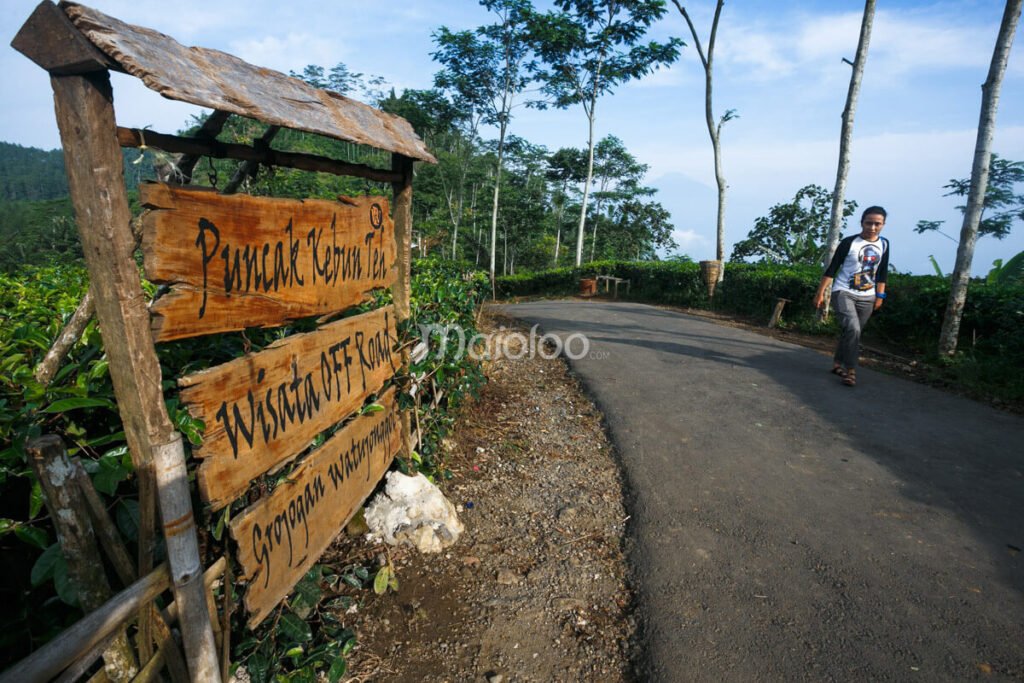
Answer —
857 277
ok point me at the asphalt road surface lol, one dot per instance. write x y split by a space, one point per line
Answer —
786 527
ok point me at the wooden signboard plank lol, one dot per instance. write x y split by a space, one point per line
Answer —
283 535
235 261
265 408
214 79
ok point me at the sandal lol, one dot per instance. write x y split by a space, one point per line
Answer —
838 370
850 379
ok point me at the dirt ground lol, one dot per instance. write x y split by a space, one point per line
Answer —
536 589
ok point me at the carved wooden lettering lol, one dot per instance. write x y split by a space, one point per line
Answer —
235 261
265 408
282 536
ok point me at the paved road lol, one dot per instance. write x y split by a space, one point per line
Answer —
789 528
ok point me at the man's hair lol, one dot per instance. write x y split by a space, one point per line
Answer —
873 209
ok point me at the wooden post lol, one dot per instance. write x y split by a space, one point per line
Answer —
401 213
85 117
70 515
777 313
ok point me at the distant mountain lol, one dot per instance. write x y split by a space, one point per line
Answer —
30 173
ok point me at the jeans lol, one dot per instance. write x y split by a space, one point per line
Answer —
852 313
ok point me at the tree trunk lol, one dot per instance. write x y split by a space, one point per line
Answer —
979 178
476 231
70 516
586 186
713 129
494 209
836 224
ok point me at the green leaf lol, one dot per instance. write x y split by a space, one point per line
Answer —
74 403
218 531
294 652
32 535
127 515
66 589
259 667
337 670
373 408
36 500
295 629
112 470
43 569
382 580
107 439
348 646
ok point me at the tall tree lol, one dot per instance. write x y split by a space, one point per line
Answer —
846 134
714 129
487 69
617 174
1000 198
794 232
979 178
567 165
589 48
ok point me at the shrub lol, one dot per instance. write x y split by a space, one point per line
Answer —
991 357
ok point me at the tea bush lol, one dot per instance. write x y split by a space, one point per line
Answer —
990 361
80 407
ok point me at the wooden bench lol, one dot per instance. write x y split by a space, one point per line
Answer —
608 279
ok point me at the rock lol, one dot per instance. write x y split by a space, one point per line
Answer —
567 514
413 511
494 678
507 577
568 604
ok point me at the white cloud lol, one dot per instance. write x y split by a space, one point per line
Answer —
288 52
689 239
903 43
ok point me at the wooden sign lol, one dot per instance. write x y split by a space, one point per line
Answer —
282 536
235 261
265 408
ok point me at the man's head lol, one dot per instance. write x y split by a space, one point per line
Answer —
871 222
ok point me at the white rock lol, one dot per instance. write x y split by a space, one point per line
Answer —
413 511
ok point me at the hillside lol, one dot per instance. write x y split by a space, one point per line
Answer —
28 173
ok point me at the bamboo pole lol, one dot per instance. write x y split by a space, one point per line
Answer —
55 656
183 553
69 512
52 658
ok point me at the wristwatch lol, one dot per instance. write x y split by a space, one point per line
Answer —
879 295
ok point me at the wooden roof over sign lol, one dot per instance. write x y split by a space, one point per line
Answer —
211 78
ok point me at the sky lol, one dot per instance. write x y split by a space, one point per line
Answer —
777 63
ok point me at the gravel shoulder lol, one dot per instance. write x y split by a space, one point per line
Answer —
536 589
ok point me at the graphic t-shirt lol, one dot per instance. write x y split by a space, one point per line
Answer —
858 265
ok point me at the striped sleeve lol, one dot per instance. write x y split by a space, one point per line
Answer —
837 259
